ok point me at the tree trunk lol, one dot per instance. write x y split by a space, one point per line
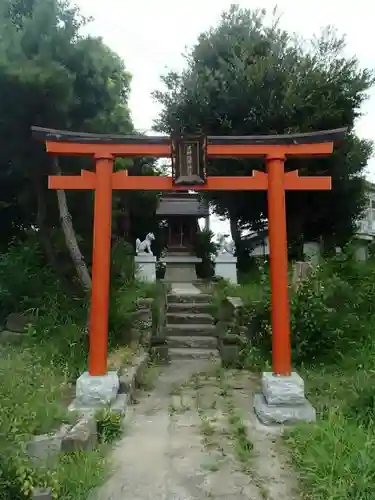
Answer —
236 234
69 234
295 227
44 237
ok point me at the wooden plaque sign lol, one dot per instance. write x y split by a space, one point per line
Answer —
188 160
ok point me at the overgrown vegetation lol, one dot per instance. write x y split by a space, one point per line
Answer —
109 425
37 372
333 325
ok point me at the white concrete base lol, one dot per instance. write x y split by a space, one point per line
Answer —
96 391
283 400
282 414
180 268
283 390
226 267
145 267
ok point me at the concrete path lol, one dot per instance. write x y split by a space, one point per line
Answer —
194 437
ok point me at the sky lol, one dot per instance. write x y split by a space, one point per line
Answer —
152 35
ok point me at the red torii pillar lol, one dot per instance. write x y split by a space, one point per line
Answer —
274 149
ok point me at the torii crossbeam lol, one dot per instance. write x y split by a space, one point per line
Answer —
275 149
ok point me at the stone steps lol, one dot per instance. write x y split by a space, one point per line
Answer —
189 329
192 342
177 353
192 298
190 318
189 307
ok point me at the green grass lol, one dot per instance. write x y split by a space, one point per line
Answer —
80 473
335 457
36 387
30 394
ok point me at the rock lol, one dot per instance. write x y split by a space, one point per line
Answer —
41 494
17 322
8 336
44 448
83 436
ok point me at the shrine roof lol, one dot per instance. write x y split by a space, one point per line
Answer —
182 204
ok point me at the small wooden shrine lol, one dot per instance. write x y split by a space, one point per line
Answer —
181 210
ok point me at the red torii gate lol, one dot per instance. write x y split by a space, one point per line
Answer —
275 149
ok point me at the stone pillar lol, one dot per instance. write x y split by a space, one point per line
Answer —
282 400
145 264
226 267
301 271
311 252
144 319
361 252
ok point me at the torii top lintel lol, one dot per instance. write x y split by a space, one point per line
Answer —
63 142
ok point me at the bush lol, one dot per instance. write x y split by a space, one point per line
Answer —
205 249
24 278
36 376
109 425
330 311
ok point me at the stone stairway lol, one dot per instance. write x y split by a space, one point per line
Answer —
190 329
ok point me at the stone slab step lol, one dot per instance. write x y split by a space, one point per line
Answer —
176 353
189 297
190 307
189 318
189 330
193 342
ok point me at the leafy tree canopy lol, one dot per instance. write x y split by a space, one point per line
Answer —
246 76
53 76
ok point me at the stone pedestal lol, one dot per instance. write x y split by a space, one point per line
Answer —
283 400
226 267
96 391
180 268
145 267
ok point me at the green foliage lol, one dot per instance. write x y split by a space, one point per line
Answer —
362 408
23 278
37 374
51 75
122 263
205 249
24 405
329 311
335 459
109 425
248 76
